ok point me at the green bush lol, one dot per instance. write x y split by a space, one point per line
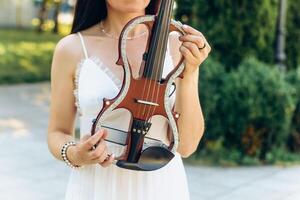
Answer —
212 76
235 29
293 34
249 109
257 106
25 55
184 11
293 78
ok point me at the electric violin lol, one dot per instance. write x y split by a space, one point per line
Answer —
146 96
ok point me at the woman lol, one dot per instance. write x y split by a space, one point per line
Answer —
84 65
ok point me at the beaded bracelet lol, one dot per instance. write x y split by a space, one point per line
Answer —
64 154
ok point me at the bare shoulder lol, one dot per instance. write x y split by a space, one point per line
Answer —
68 46
67 54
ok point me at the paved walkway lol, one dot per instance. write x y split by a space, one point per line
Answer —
29 172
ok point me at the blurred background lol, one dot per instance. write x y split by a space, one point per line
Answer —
249 90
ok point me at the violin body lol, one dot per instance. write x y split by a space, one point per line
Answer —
143 98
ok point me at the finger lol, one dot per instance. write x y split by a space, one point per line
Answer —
97 152
186 53
198 40
190 30
93 140
104 156
208 48
100 159
104 136
193 49
82 142
109 161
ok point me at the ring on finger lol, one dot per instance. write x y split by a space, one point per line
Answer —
107 157
201 48
204 43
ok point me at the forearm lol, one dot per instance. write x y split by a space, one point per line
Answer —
56 140
191 122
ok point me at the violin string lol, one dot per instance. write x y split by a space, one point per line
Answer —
147 97
156 88
141 107
149 89
153 91
148 83
145 110
163 53
166 36
139 114
148 93
156 96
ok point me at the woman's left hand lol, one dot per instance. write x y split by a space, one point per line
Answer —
194 48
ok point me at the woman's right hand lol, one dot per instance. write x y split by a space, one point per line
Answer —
84 153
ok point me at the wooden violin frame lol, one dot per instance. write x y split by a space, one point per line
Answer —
128 96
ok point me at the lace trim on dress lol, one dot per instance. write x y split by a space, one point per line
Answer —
107 70
99 64
76 82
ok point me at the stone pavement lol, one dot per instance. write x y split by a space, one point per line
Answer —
29 172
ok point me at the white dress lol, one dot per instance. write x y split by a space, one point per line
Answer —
93 82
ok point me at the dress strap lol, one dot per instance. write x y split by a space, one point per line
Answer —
83 45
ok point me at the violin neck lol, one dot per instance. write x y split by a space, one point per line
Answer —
155 58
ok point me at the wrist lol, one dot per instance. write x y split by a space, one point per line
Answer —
71 155
190 77
69 158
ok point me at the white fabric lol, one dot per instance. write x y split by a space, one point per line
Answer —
96 81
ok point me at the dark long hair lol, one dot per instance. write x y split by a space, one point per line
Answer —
91 12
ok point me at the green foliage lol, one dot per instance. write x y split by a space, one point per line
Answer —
25 55
250 112
293 34
249 109
212 76
215 153
184 11
236 29
257 106
281 156
293 78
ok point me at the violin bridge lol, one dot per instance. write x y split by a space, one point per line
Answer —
146 102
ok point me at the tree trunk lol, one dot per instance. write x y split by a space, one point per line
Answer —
56 13
42 15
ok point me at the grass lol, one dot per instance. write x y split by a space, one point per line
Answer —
25 55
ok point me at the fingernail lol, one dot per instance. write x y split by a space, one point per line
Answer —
184 26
